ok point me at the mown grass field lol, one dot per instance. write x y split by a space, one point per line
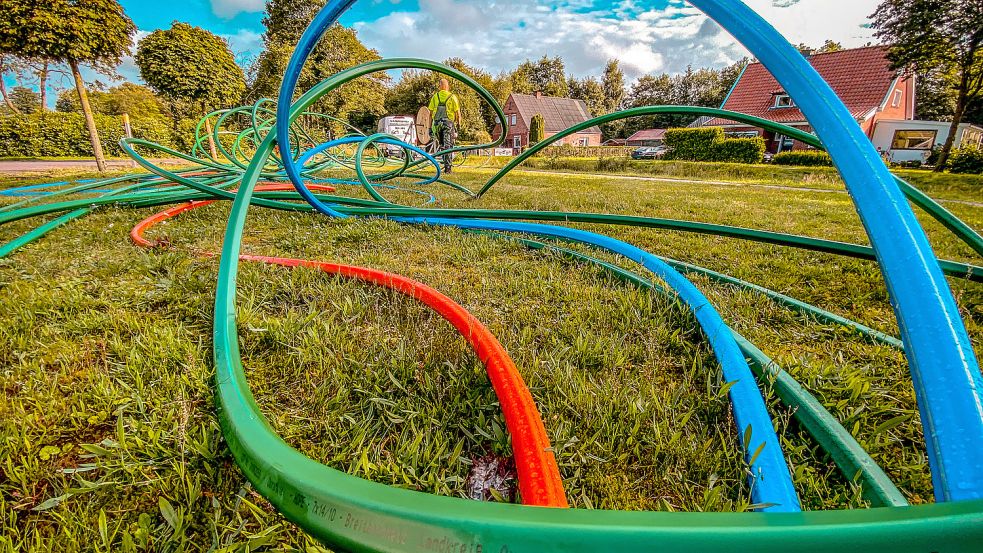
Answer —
109 441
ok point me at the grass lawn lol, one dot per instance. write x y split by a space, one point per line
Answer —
108 435
939 186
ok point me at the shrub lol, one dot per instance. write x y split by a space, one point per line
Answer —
739 150
64 134
612 163
537 129
570 150
968 160
709 144
804 158
692 144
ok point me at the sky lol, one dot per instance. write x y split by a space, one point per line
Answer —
647 36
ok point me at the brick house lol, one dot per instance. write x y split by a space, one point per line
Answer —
861 77
558 113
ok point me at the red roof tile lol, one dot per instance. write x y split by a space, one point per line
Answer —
558 113
861 77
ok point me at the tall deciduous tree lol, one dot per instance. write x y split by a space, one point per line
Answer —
613 81
192 67
591 92
547 75
76 32
25 100
6 65
360 102
940 36
139 102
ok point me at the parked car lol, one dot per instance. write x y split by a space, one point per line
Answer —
648 152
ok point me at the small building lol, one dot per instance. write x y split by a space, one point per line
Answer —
614 142
909 141
861 77
647 137
558 113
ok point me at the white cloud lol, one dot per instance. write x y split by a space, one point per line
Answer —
500 34
244 40
230 8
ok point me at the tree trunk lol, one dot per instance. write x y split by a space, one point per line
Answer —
957 118
43 77
90 122
3 89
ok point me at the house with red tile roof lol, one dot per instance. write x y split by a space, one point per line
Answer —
558 113
861 77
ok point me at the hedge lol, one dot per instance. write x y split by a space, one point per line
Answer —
710 144
53 134
968 160
569 150
804 158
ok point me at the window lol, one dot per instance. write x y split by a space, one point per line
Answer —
897 98
784 101
913 140
516 140
513 119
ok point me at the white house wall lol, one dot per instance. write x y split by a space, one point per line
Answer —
883 137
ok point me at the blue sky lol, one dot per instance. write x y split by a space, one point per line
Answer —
651 36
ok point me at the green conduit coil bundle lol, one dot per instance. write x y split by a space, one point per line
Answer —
349 513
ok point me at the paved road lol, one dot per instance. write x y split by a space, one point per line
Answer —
29 166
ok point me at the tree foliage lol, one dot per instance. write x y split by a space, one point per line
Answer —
25 100
537 129
943 38
191 67
827 47
613 81
89 32
591 92
139 102
548 75
360 102
700 87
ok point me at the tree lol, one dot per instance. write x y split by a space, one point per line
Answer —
547 75
613 82
6 65
827 47
944 37
139 102
360 102
77 32
591 92
537 129
192 68
25 100
934 98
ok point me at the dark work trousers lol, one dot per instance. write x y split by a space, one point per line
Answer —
445 141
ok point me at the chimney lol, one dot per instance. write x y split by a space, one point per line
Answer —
539 94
